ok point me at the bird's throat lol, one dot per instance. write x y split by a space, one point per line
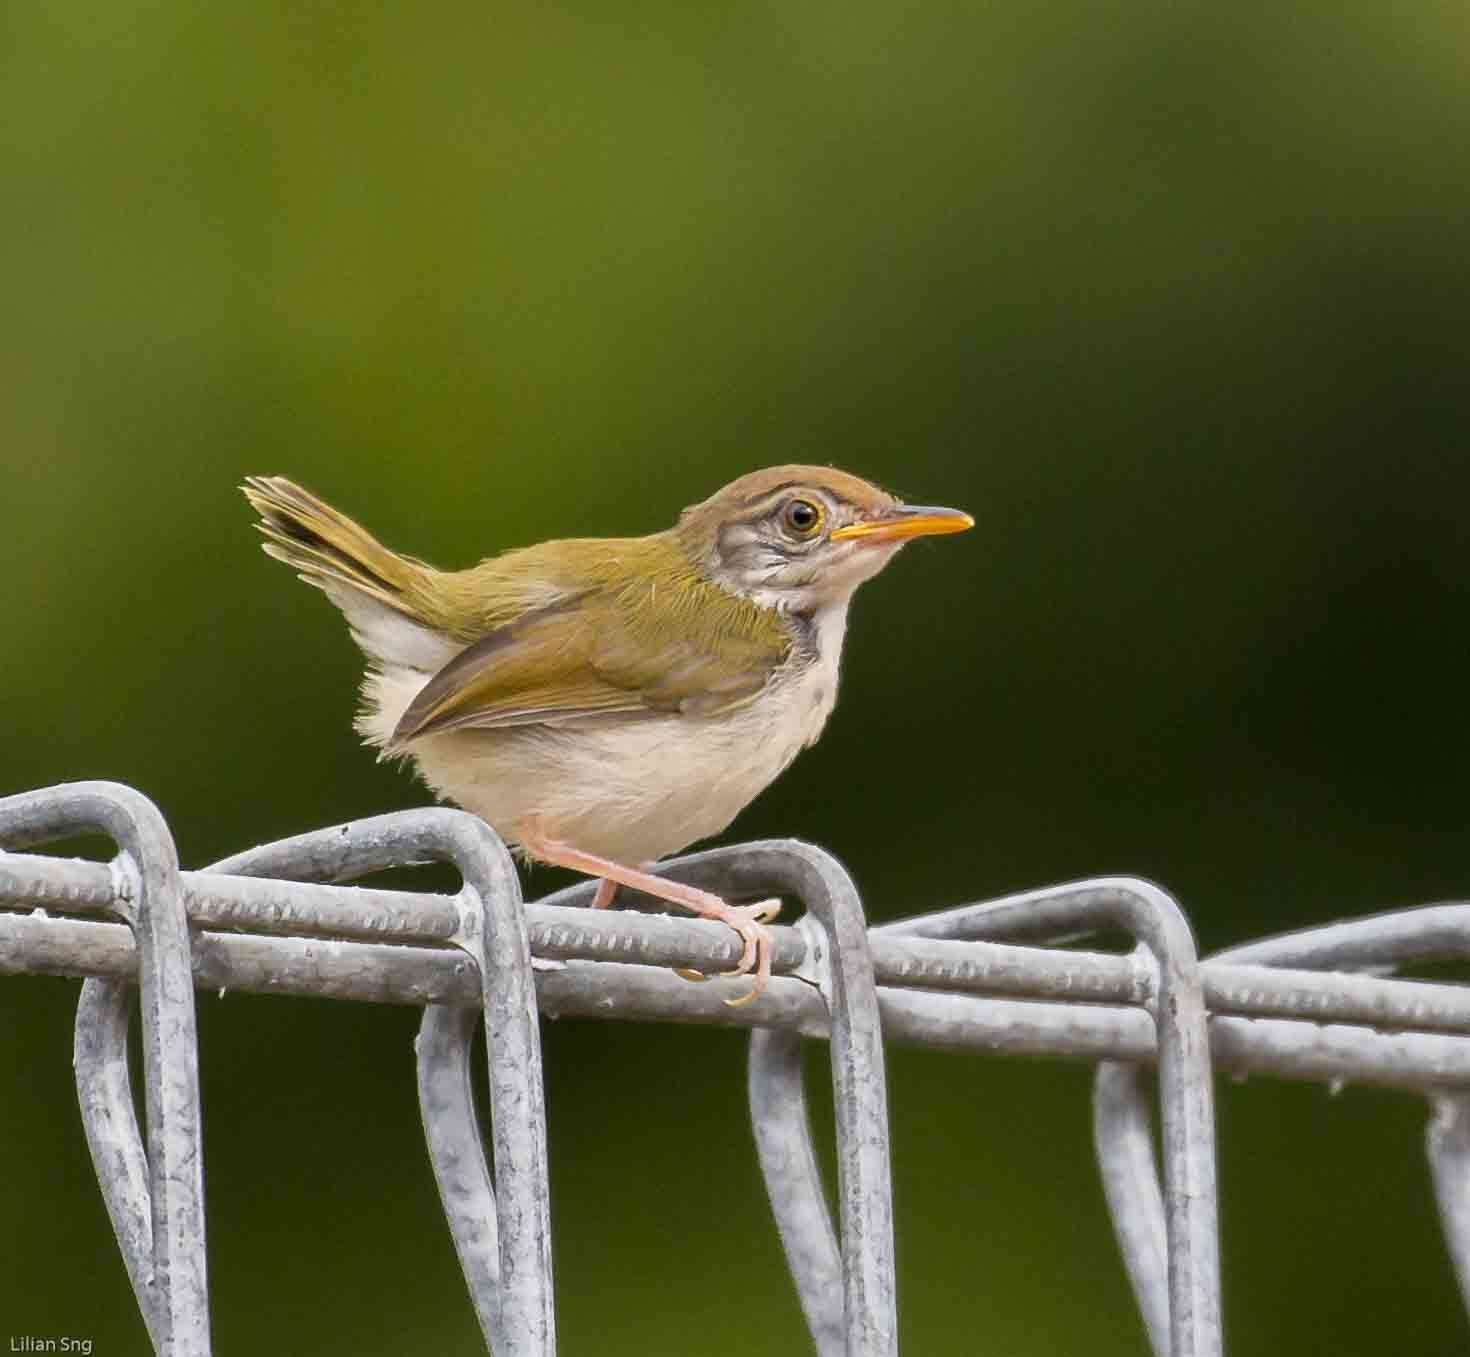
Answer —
818 635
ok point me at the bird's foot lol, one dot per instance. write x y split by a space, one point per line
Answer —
748 921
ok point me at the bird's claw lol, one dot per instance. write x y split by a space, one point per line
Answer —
749 922
756 954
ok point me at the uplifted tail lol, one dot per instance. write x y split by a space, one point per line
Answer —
328 548
387 598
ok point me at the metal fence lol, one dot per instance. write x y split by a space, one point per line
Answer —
993 976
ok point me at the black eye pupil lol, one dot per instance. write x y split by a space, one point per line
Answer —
801 515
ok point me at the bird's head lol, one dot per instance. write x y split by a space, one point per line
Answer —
802 538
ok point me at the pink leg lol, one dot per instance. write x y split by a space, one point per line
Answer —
607 891
747 920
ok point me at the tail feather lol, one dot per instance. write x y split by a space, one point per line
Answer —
386 597
324 545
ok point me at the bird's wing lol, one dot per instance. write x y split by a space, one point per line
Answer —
593 655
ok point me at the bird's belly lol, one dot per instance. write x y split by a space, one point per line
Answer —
629 789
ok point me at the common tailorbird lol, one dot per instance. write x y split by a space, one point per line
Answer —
603 702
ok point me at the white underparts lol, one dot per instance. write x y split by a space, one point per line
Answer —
632 789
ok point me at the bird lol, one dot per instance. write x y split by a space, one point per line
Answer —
605 702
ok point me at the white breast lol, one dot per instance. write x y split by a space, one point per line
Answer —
630 789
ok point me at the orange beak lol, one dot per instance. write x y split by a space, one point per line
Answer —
908 520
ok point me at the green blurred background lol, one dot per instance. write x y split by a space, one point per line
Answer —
1172 298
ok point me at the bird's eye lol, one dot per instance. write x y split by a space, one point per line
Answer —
801 517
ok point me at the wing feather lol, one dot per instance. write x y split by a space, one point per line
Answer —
596 655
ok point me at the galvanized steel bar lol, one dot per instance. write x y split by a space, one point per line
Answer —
304 909
970 978
33 944
1187 1118
836 964
1123 1136
495 933
174 1294
105 1093
841 970
383 973
900 957
457 1151
1185 1089
1384 941
503 1237
843 975
783 1140
1447 1143
1436 932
